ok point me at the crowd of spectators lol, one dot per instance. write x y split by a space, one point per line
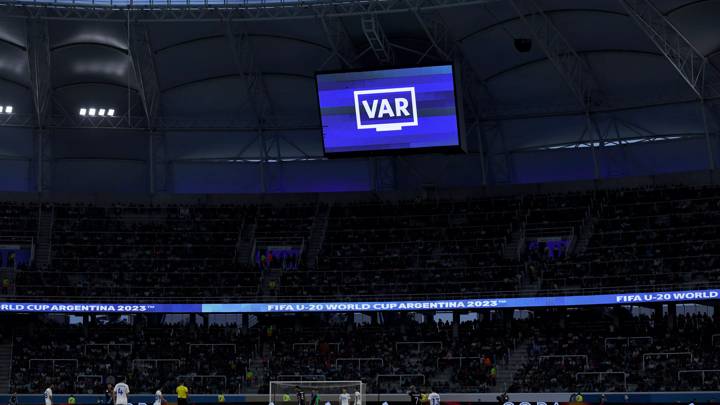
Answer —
643 239
397 351
618 352
83 358
654 238
584 240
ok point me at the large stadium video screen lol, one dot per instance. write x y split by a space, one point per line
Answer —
386 111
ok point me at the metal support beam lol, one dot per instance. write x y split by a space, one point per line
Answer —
483 130
43 160
694 68
436 32
258 97
574 69
340 42
244 59
39 62
708 136
222 12
377 39
143 61
258 100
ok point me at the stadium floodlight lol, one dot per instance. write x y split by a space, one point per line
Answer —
83 111
1 109
91 112
101 112
110 112
8 109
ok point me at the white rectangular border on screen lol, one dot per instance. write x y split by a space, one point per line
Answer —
356 93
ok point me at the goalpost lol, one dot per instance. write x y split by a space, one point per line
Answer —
285 392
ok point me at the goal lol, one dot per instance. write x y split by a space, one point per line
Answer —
285 392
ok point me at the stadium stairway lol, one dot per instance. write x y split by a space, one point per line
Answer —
512 249
44 243
588 227
5 367
517 359
317 234
244 246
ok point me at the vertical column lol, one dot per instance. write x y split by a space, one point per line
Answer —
456 325
244 321
672 315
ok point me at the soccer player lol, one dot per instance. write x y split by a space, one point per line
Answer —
108 395
414 396
315 398
49 395
344 397
182 393
300 394
434 397
159 399
120 392
358 398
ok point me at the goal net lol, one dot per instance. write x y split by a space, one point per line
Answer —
335 392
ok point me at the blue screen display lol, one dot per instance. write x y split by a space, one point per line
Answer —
477 303
386 110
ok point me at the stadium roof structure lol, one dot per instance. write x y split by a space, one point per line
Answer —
598 74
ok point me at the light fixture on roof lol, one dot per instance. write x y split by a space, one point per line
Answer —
97 111
8 109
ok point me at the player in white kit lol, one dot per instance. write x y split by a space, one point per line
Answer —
49 395
120 393
344 397
358 398
159 400
434 398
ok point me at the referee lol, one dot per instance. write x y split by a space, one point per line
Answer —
182 394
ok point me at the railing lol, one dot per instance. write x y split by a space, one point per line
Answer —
379 246
314 345
437 362
212 346
359 360
155 362
417 344
301 377
600 374
717 335
400 377
564 357
548 232
53 362
107 346
96 379
627 339
666 355
204 378
296 345
702 373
